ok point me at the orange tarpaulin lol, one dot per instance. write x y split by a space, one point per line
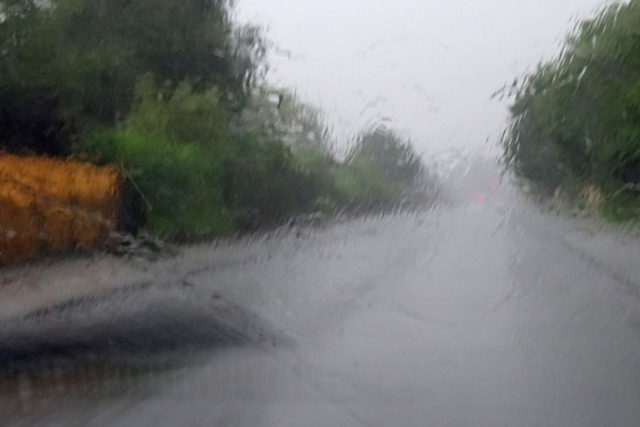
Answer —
51 205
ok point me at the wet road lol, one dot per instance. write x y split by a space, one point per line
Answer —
484 313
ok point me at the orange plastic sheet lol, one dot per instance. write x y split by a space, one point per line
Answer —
51 205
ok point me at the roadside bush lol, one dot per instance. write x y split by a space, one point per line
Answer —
177 184
194 175
262 176
172 147
360 185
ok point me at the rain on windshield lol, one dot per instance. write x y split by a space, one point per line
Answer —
319 213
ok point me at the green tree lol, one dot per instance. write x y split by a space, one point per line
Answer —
575 120
394 157
80 59
378 169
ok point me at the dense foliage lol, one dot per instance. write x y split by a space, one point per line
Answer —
378 168
576 120
76 62
171 91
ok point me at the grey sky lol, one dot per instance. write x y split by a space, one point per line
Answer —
428 67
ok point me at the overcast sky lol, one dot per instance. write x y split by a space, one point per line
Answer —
425 67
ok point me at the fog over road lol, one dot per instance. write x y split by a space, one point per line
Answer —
484 312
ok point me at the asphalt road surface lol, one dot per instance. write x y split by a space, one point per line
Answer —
483 312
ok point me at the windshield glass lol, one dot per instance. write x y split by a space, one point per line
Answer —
319 213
